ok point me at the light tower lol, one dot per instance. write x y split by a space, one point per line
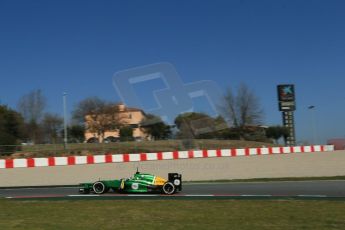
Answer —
287 105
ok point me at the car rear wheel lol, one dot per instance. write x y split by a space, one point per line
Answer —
169 188
99 187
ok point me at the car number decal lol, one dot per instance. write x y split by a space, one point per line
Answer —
135 186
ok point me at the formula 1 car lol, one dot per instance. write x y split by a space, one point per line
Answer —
139 183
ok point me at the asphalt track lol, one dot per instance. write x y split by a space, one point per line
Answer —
302 189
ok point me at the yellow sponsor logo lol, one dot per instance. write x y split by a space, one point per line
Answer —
159 181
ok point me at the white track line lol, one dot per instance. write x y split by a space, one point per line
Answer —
176 196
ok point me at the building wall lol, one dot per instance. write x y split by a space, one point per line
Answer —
339 144
130 117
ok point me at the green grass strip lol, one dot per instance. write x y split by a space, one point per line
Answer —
143 214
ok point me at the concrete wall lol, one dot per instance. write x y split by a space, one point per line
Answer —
264 166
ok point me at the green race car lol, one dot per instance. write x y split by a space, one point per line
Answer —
139 183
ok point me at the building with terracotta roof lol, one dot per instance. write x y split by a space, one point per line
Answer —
131 117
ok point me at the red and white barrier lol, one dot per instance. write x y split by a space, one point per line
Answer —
124 158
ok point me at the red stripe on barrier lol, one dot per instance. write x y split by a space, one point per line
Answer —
143 157
109 158
292 149
322 148
205 153
270 150
281 150
312 148
247 152
71 160
219 153
31 163
258 151
160 156
233 152
90 160
302 149
126 158
175 155
191 154
51 161
9 163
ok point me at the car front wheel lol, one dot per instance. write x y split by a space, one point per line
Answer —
99 187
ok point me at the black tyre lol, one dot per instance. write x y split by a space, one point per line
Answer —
99 187
168 188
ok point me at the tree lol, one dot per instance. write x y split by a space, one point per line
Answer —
218 127
11 130
126 133
76 134
242 109
32 106
198 125
155 127
99 116
52 125
91 105
228 134
277 132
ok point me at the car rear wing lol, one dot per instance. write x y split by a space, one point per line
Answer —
176 179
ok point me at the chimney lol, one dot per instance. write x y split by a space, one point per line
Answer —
121 107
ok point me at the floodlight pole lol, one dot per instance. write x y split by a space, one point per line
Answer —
313 129
65 119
